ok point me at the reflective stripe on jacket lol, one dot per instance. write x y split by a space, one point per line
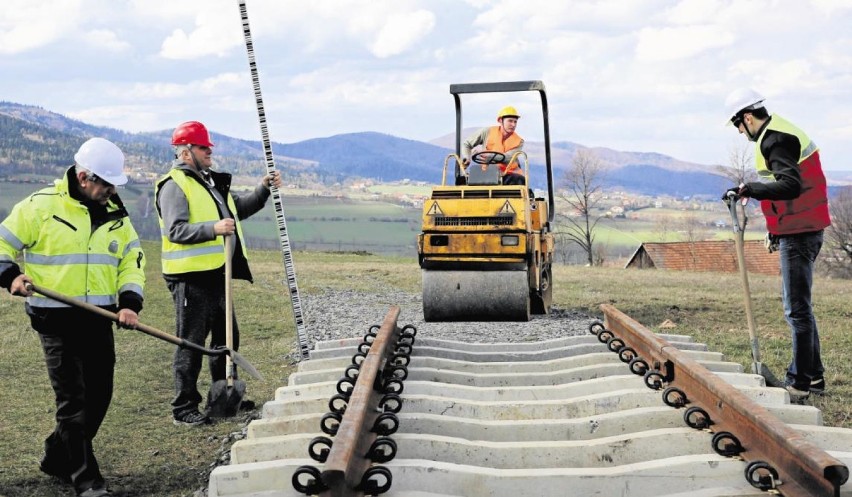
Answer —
178 258
62 253
496 143
807 212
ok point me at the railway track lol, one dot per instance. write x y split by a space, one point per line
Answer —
619 412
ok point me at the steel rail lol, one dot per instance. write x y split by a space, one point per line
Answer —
804 469
347 462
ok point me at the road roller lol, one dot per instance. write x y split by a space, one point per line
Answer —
486 249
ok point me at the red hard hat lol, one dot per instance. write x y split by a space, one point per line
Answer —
191 133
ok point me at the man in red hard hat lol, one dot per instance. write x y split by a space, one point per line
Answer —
196 210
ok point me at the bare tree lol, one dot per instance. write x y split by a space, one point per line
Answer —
583 183
839 234
740 167
662 226
692 231
564 249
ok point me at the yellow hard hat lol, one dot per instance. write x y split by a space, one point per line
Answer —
507 111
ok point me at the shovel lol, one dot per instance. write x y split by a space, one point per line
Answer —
149 330
225 396
757 367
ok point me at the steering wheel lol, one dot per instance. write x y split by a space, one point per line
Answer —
488 157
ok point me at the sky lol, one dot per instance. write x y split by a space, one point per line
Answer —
638 75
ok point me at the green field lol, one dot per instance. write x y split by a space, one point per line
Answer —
338 223
313 222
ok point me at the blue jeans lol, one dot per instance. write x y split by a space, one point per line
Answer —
798 253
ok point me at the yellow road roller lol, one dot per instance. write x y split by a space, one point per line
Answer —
486 249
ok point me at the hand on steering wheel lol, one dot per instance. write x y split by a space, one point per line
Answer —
488 157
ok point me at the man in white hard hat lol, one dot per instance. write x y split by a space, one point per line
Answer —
77 239
794 200
501 138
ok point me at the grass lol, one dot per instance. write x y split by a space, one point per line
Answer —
142 453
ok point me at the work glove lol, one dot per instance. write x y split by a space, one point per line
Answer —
770 241
727 197
740 191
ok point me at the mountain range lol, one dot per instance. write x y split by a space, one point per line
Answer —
36 140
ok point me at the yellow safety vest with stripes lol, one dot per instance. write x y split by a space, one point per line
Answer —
778 123
62 253
179 258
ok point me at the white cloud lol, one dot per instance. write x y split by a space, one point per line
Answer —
105 39
26 25
675 43
401 31
126 117
831 6
651 75
220 84
215 34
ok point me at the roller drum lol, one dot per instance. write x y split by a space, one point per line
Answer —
476 295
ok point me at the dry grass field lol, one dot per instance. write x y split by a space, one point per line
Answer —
142 453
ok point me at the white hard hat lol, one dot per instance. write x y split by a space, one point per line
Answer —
103 158
740 99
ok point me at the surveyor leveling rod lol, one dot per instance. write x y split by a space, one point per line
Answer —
276 195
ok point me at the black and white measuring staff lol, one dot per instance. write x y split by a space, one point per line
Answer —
276 195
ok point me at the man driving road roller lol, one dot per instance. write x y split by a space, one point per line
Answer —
501 138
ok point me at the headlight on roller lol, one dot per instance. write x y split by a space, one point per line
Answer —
509 240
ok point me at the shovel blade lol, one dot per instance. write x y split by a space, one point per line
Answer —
241 362
223 400
771 379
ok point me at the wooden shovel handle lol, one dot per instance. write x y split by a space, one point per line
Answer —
148 330
229 310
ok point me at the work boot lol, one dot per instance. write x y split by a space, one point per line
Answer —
797 395
191 418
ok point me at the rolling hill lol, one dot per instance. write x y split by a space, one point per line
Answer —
34 140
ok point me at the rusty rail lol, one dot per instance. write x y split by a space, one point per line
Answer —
803 469
348 460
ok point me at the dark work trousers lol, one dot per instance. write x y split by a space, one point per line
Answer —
200 310
79 351
514 179
798 253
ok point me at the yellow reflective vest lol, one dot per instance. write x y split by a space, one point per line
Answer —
62 253
179 258
495 142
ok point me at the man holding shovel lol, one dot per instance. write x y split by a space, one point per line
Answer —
196 211
794 201
77 239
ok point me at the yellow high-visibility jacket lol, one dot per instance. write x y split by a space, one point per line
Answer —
181 258
62 253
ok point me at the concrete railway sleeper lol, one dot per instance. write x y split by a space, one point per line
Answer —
619 412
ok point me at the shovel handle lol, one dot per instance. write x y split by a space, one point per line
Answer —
148 330
229 310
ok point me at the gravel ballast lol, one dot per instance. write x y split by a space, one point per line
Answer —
336 314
